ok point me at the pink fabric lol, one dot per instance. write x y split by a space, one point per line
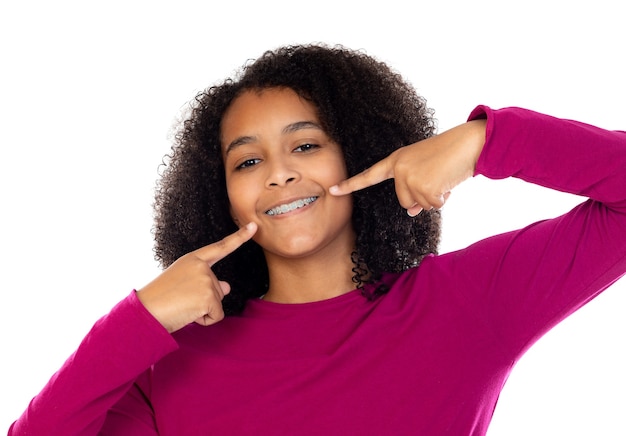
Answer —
428 358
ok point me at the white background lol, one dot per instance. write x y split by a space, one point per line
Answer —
88 95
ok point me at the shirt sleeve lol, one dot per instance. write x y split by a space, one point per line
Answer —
520 284
76 401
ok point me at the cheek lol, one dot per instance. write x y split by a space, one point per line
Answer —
346 204
334 173
335 168
240 200
233 200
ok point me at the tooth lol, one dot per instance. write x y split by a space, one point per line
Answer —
284 208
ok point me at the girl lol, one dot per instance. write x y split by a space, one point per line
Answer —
300 298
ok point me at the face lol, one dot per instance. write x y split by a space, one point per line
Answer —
279 164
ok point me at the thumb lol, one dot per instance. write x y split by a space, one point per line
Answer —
224 286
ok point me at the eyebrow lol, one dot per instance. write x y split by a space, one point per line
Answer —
300 125
290 128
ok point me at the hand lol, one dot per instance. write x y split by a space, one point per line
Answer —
425 172
188 290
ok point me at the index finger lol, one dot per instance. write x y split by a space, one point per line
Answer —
215 252
379 172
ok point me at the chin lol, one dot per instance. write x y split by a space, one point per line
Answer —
296 249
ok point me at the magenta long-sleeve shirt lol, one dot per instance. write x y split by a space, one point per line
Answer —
428 358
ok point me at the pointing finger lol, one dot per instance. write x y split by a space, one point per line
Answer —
217 251
375 174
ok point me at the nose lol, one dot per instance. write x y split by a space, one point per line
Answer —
280 173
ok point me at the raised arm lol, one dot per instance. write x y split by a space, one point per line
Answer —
524 282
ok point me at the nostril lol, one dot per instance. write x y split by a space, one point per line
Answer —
280 181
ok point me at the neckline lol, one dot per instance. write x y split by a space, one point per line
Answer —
261 304
258 306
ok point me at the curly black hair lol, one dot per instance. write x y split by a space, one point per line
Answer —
363 105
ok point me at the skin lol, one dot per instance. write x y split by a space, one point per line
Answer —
188 291
425 172
275 152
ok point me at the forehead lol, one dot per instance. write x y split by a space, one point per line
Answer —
255 111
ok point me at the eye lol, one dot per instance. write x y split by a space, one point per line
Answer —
306 147
247 164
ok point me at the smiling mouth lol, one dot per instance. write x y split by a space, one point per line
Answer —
284 208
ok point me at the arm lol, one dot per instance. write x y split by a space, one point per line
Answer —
525 282
99 389
565 155
522 283
119 347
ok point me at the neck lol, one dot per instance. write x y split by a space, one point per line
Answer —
316 277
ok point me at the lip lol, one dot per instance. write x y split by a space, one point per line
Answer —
290 205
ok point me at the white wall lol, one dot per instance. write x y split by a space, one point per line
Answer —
88 94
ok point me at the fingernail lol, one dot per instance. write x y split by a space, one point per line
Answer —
334 189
